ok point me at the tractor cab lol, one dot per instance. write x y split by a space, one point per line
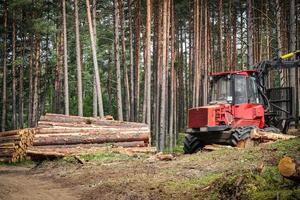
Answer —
234 88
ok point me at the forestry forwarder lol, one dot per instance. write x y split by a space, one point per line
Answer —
239 102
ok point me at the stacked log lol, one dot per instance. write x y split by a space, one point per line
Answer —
58 135
13 144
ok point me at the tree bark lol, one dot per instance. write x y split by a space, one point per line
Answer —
250 33
137 60
220 10
35 112
148 62
14 81
78 60
66 80
3 119
94 53
117 60
163 83
124 65
132 106
95 108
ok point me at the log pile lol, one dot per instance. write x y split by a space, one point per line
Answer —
13 144
58 135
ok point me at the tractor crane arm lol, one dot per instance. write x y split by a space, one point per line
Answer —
262 69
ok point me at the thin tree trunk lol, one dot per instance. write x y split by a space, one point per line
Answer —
96 69
137 60
78 61
250 33
221 35
96 103
163 84
125 72
14 81
132 107
66 82
148 61
173 84
3 120
117 60
21 76
36 80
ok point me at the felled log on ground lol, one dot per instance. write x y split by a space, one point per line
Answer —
80 138
13 144
290 168
214 147
268 136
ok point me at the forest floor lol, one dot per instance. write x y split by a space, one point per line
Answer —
222 174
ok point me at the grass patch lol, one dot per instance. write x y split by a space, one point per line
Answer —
286 148
105 157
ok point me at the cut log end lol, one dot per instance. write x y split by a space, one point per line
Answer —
289 168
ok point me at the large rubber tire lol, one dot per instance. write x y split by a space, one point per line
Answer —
192 144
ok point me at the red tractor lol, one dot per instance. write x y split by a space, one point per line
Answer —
239 102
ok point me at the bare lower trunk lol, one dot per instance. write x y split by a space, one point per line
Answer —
78 61
95 62
14 82
117 61
36 80
3 120
66 82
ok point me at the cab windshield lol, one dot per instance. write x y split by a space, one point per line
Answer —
221 90
244 88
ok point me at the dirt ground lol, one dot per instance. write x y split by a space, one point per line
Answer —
223 174
19 183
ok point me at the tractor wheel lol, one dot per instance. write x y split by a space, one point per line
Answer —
192 144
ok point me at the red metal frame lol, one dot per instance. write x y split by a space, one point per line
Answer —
235 116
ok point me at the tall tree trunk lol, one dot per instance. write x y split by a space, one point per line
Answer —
124 66
3 120
159 72
163 83
36 80
137 60
66 80
21 96
14 81
148 61
220 10
58 74
206 49
234 32
173 83
94 53
250 33
30 96
132 107
95 107
78 60
117 60
292 47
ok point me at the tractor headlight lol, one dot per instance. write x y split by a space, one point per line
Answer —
203 129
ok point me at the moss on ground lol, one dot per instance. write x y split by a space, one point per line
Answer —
265 184
105 157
